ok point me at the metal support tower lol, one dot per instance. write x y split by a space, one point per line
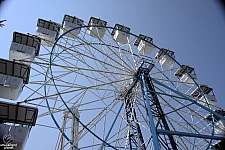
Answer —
134 135
74 129
156 112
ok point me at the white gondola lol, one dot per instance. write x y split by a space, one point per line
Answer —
219 145
97 32
183 72
121 34
17 134
220 131
189 80
16 121
144 44
219 123
10 87
206 90
48 31
165 58
13 76
69 23
3 129
24 48
220 127
18 114
210 98
20 135
146 47
208 117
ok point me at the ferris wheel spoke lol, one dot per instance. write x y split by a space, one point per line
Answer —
100 52
109 47
104 63
93 70
97 118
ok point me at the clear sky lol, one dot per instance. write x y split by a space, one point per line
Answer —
194 30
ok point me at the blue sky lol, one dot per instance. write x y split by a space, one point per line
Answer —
194 30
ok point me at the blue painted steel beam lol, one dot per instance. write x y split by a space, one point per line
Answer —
160 131
151 120
175 97
189 99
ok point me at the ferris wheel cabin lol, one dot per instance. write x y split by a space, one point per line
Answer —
185 73
216 118
220 127
96 32
218 145
48 31
16 121
165 58
208 93
121 34
144 44
69 23
13 76
24 48
219 123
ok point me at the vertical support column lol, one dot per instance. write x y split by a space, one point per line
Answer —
134 135
65 116
151 120
74 128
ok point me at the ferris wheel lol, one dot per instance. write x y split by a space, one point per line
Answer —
105 88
